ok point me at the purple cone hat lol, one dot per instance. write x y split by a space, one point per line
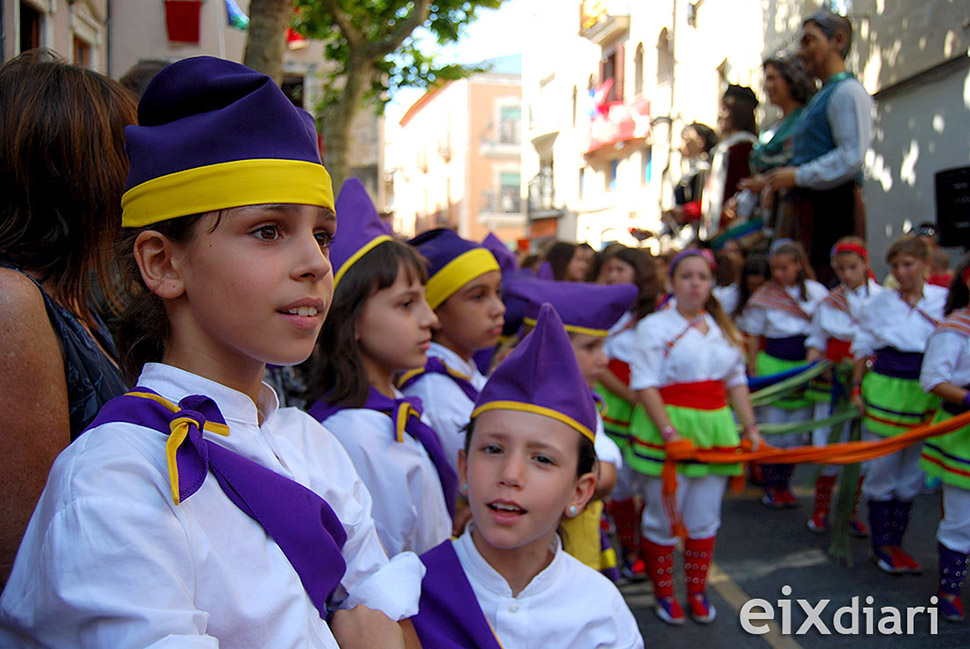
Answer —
213 134
541 376
507 261
359 228
584 308
452 262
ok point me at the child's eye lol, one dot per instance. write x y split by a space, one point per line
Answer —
544 459
267 232
325 238
492 449
407 304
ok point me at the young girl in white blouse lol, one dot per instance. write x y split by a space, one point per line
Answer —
196 512
946 373
464 283
381 324
506 583
893 330
690 364
780 312
833 328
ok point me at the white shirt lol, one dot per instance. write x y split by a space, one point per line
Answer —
620 343
446 407
694 357
409 504
567 606
774 323
830 322
947 360
728 297
109 560
887 321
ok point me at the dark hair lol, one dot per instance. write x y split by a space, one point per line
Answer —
706 133
587 452
830 24
339 376
908 244
144 328
62 172
559 256
645 277
959 295
728 268
740 102
138 76
792 70
753 265
795 251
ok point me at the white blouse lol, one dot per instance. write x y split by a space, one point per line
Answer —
693 357
567 606
409 504
830 322
947 360
109 560
774 323
888 321
445 405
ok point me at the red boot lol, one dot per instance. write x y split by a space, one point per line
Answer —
660 566
697 559
627 524
819 522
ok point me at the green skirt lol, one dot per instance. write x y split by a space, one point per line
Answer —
893 405
710 429
766 365
948 457
616 413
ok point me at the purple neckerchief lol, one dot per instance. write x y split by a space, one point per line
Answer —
449 616
301 522
437 366
406 415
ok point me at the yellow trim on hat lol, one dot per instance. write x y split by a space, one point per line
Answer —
458 272
539 410
354 258
602 333
224 185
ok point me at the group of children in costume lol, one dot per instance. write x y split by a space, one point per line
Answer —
334 527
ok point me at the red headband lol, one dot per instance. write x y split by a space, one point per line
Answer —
854 248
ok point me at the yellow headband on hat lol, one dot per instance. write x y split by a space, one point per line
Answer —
458 272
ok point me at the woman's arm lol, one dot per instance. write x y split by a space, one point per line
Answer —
753 346
617 387
35 422
653 403
740 400
952 393
859 369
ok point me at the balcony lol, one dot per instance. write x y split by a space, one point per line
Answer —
603 21
505 201
542 195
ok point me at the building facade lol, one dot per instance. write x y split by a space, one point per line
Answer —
455 157
77 30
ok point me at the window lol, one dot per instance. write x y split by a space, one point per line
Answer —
509 192
646 160
30 23
82 52
611 176
611 67
665 58
508 125
638 72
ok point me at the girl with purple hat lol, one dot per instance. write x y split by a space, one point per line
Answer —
381 325
194 511
689 366
464 283
527 463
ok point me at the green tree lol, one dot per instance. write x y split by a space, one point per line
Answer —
372 48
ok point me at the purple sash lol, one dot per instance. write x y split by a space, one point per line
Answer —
449 616
301 522
791 348
436 366
406 415
896 364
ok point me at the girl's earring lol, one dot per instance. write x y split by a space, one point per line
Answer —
464 488
572 511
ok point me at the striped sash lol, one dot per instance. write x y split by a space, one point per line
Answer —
772 296
958 321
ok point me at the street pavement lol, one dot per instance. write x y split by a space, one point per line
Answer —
760 551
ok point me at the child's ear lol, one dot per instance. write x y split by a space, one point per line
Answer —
582 492
159 260
462 468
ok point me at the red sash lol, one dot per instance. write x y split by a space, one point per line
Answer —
700 395
838 350
620 370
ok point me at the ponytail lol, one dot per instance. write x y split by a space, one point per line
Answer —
723 321
959 295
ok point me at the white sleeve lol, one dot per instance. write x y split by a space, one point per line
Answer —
606 448
850 115
864 341
647 359
753 321
939 362
817 337
738 374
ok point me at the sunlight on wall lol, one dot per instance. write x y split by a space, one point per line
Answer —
907 170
